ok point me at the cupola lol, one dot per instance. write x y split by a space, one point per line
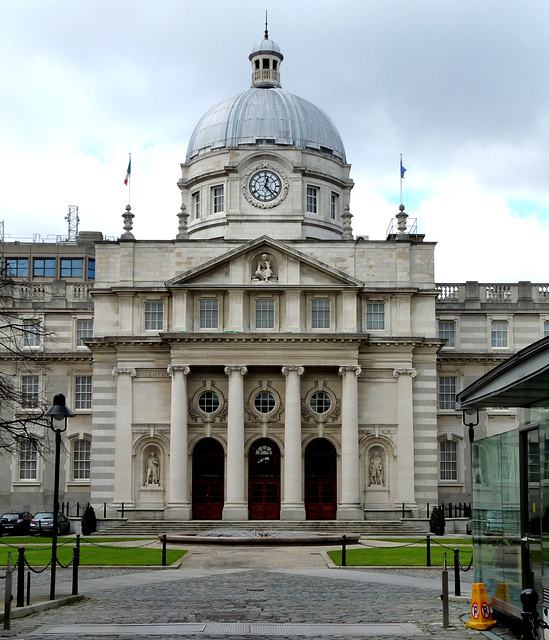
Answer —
266 58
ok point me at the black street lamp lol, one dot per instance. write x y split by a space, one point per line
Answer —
58 411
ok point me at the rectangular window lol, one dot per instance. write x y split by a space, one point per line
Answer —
29 392
264 314
448 460
209 314
333 205
447 331
154 316
499 333
81 455
28 460
375 316
320 314
218 199
44 267
196 205
31 333
546 328
17 267
312 200
84 329
72 267
83 392
91 268
447 392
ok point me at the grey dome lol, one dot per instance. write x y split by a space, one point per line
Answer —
261 116
266 46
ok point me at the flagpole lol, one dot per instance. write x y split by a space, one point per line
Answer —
400 171
130 183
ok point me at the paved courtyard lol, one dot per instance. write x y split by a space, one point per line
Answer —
267 592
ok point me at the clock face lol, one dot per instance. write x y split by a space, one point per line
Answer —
265 185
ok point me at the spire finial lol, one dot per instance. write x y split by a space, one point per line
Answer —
266 26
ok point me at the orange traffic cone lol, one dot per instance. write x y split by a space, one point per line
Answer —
481 614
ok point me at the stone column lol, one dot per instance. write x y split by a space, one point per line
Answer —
235 507
405 439
293 506
349 508
123 437
179 506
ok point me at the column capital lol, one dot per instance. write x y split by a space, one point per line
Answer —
404 372
350 368
120 370
179 367
293 367
236 367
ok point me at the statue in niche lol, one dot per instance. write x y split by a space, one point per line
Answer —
264 273
376 469
152 469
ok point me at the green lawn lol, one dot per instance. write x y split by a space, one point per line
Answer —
404 556
38 552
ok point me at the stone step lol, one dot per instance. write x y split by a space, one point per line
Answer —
362 527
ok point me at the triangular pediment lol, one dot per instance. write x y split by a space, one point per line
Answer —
264 262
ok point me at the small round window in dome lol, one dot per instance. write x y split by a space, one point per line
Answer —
264 402
208 402
320 402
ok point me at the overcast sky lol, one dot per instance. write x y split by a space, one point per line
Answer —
458 87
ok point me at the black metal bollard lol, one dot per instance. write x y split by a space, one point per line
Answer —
457 583
403 511
7 595
530 618
428 507
77 509
75 563
122 510
105 510
163 549
28 588
428 550
344 551
21 578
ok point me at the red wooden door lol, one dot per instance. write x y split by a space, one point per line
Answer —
320 480
264 481
208 480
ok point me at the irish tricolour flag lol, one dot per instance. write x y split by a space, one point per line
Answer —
128 172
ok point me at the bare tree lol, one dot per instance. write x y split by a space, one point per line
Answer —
23 363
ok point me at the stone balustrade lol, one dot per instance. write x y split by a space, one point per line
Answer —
473 293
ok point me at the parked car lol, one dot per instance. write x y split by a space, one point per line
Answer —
42 524
15 523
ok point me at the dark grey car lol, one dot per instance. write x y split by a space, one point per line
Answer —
42 524
15 523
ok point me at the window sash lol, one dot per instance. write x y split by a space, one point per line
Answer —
447 392
154 316
264 314
72 267
28 460
320 314
81 469
333 205
31 333
209 314
375 316
447 331
18 267
91 268
196 204
218 199
83 392
84 329
499 333
44 267
312 200
448 460
30 389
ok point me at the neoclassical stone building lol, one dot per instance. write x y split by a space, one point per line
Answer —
265 363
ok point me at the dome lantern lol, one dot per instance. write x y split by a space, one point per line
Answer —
266 58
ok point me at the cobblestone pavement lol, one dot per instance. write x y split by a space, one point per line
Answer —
268 585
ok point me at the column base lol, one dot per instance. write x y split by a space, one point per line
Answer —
350 512
235 511
294 511
178 511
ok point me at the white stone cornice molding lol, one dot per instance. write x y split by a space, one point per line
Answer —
404 372
179 367
350 368
236 367
293 367
121 370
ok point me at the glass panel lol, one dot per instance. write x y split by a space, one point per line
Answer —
257 493
216 493
271 493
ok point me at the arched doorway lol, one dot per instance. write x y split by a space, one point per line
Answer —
208 480
264 481
320 480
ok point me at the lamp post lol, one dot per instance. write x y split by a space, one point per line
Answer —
58 412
